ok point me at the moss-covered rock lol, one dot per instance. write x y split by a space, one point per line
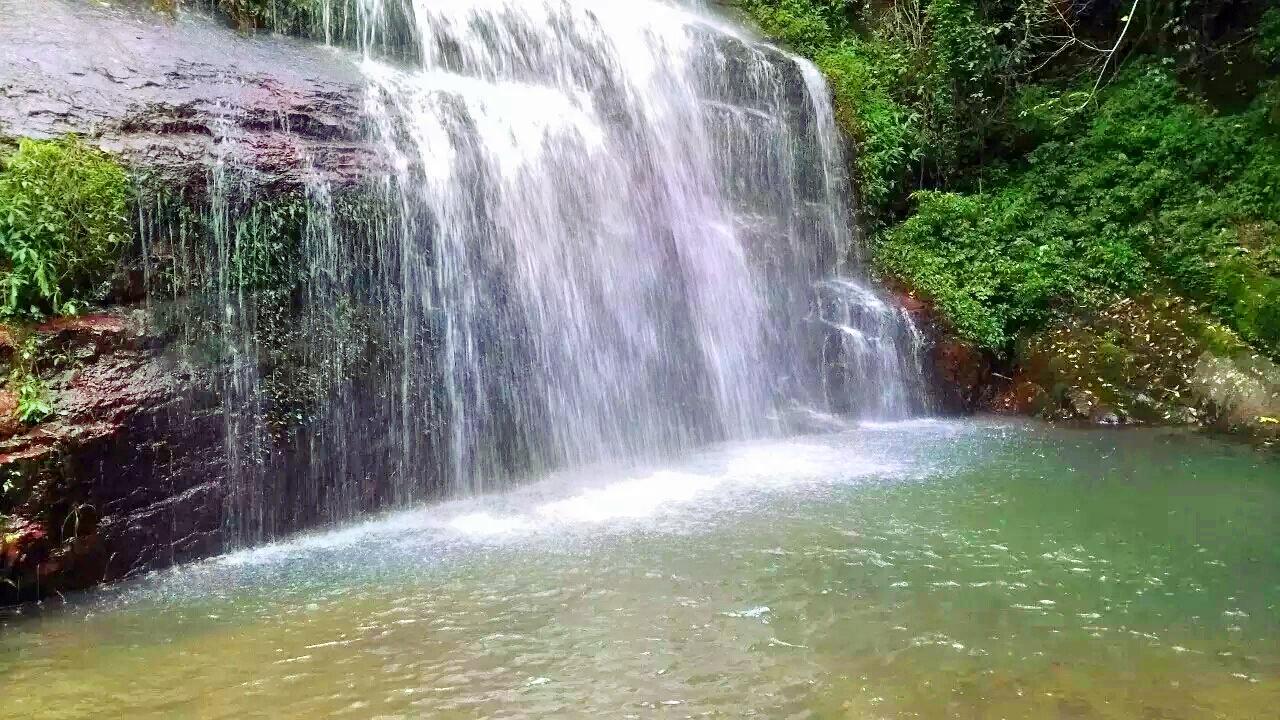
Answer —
1153 359
1240 392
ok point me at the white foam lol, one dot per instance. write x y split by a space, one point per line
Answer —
733 476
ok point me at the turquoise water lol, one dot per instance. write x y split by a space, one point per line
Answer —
978 569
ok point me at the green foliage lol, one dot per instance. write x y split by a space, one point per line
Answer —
1268 44
34 402
807 26
63 222
861 76
922 86
1157 188
285 16
1035 195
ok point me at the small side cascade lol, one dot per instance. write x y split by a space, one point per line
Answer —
873 353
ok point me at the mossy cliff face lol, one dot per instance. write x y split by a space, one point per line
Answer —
115 433
112 434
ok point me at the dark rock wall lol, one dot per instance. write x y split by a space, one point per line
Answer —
127 476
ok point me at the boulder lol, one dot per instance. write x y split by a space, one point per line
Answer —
1021 397
1239 393
960 376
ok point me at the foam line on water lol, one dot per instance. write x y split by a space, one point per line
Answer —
609 499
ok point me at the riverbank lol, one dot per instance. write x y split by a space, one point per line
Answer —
1150 361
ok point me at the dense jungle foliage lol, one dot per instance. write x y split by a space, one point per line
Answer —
1021 160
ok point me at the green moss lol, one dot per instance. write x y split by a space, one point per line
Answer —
63 223
256 252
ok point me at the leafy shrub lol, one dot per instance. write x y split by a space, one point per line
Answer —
806 26
886 131
63 222
1156 188
34 404
1268 45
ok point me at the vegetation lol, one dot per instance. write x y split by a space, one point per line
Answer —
34 403
1021 161
63 222
1136 357
288 16
332 21
257 254
1155 189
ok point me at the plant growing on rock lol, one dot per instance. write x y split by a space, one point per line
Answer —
1157 188
34 403
63 223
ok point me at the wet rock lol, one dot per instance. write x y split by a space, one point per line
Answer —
959 374
9 423
962 374
1182 415
1240 393
173 97
1022 397
126 477
1078 403
1104 415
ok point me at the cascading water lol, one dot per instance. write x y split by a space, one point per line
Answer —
607 230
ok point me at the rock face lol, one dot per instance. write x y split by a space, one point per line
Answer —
1150 360
174 96
129 475
959 375
1240 393
126 476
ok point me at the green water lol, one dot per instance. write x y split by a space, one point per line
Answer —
922 570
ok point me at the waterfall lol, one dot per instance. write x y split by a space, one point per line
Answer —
605 231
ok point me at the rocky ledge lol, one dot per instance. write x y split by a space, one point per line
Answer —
174 97
1149 360
124 476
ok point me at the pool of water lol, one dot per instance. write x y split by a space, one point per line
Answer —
976 569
